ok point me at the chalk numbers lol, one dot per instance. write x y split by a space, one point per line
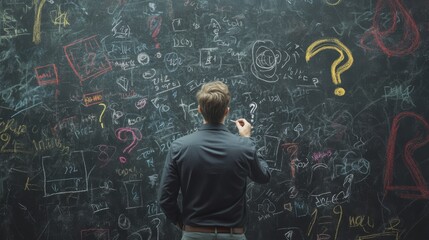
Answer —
6 139
70 169
337 210
103 156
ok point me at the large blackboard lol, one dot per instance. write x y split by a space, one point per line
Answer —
94 92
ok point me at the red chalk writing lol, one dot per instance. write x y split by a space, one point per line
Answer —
87 59
46 75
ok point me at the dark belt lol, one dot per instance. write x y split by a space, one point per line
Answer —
233 230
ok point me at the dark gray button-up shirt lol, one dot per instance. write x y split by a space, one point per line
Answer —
210 167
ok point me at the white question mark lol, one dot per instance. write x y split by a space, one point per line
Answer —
253 107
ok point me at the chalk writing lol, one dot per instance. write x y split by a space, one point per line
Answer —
92 98
86 58
74 179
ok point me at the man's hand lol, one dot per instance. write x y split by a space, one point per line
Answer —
244 127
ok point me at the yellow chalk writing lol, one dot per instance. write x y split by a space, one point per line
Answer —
59 18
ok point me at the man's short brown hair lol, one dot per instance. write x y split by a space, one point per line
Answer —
213 98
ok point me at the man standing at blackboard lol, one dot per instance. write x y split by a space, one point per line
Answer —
211 167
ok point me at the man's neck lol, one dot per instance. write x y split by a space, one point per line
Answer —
205 122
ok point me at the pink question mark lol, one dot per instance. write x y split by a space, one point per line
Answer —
137 136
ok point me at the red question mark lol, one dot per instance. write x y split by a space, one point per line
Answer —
408 151
137 136
381 37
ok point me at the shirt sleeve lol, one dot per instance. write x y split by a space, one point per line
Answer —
259 170
169 190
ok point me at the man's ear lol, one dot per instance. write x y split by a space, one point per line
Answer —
199 108
226 111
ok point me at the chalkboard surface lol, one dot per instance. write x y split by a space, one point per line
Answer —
94 92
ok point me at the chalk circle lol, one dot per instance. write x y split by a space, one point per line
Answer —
149 74
141 103
143 58
339 91
332 3
124 222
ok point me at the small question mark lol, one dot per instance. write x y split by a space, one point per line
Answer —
253 106
102 113
137 136
333 44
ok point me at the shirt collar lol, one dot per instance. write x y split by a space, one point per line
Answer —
214 126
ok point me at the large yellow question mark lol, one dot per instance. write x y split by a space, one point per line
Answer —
333 44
